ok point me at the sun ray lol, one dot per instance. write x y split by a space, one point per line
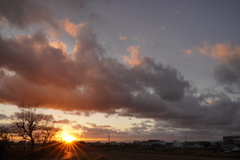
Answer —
73 148
63 148
60 147
76 147
79 149
68 148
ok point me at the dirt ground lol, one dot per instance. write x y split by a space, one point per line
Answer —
120 155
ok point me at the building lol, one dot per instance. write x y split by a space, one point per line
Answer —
177 144
229 148
231 139
153 143
197 144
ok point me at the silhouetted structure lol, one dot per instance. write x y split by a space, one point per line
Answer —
231 139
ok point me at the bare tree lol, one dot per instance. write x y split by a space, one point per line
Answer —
30 123
48 129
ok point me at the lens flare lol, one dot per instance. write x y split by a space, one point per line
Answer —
68 138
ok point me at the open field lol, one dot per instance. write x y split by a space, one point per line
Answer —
56 151
78 151
120 155
154 153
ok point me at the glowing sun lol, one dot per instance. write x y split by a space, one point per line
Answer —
68 138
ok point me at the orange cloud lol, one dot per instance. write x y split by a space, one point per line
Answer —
123 38
58 45
134 59
52 34
224 50
218 51
204 49
72 28
188 51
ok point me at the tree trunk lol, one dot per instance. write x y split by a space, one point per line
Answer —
32 145
44 143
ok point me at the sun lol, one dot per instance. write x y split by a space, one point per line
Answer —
68 138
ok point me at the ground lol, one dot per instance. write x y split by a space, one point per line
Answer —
79 151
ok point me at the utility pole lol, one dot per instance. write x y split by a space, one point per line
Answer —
108 137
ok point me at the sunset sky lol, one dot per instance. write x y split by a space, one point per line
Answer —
134 69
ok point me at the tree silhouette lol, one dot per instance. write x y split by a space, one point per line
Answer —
5 135
33 125
48 129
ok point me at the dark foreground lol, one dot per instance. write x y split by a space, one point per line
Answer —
78 151
118 155
155 153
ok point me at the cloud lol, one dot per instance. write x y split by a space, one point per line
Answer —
137 130
77 84
204 48
95 131
134 59
3 116
228 68
188 52
58 45
72 28
219 51
90 81
156 130
25 12
142 128
28 54
122 38
64 121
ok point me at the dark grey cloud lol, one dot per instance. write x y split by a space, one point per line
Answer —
157 130
72 4
25 12
3 116
142 128
89 81
228 72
